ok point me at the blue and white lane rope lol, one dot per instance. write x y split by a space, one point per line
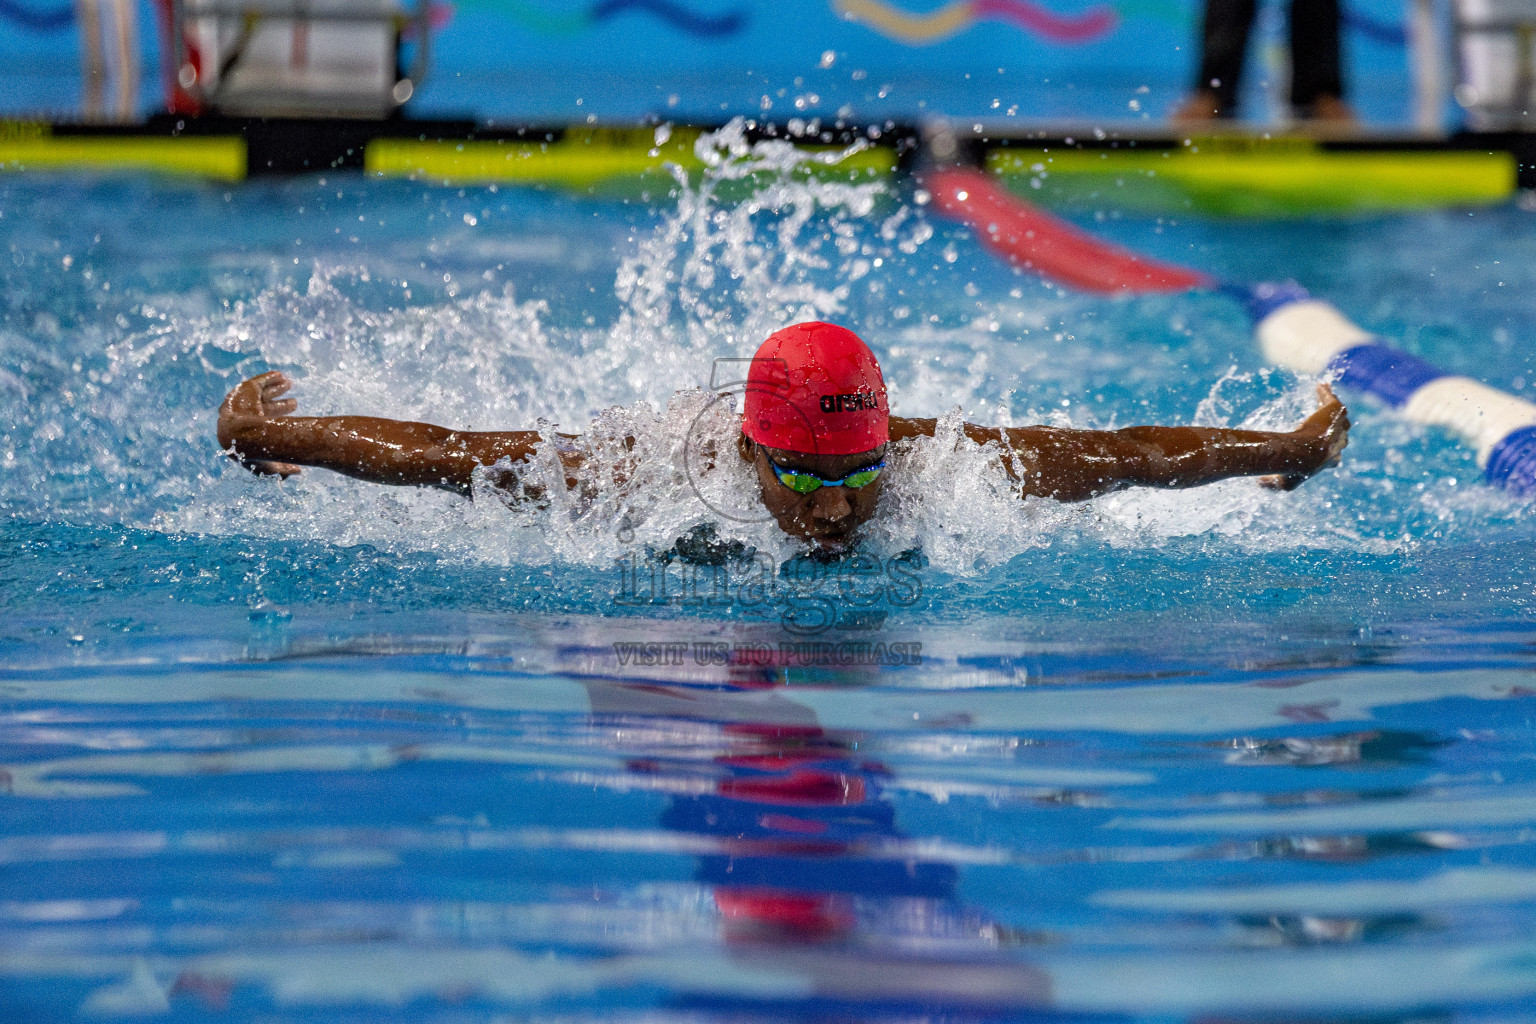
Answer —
1310 336
1295 330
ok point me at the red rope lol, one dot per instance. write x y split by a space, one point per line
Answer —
1031 238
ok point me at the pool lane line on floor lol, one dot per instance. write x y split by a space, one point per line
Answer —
1294 330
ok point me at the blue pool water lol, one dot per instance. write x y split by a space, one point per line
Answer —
320 750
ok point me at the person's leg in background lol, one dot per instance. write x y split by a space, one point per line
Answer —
93 65
1223 43
1317 84
125 24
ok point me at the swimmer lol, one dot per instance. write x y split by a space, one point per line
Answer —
817 428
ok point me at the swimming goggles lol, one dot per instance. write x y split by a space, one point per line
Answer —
802 482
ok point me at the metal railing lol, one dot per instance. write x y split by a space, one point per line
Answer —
226 34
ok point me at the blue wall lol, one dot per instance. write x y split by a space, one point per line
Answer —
618 60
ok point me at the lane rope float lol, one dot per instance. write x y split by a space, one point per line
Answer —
1309 335
1294 330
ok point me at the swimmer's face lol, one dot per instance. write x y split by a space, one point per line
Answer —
828 517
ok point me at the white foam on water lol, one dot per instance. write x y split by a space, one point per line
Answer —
711 279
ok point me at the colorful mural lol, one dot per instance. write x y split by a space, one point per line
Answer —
617 61
679 16
953 18
47 20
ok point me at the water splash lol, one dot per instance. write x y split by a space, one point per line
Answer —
119 387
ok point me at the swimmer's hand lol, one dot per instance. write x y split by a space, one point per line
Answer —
1326 431
252 403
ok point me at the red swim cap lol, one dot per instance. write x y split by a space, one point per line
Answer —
816 388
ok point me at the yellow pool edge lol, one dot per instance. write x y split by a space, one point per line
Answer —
222 158
1302 179
584 160
1283 176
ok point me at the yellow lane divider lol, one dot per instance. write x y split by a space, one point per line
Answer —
1286 178
584 159
28 147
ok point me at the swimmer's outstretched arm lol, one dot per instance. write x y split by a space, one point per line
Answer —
256 429
1074 465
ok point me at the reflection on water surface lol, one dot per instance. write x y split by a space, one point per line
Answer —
391 827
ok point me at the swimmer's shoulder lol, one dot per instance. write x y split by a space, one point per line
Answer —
907 428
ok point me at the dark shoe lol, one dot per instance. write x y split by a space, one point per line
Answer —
1329 110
